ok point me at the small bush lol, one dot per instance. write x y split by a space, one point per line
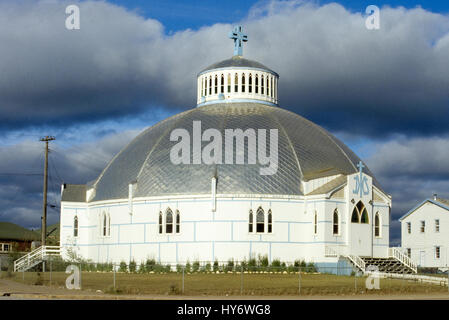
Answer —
149 265
179 268
230 265
132 266
142 268
188 267
123 267
263 262
196 266
215 268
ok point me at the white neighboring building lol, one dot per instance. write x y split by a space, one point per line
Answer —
425 233
322 202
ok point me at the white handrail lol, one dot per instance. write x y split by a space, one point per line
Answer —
37 255
357 261
404 259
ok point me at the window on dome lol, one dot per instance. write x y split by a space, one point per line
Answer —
272 88
105 220
178 222
335 223
216 85
250 220
256 89
315 223
210 85
75 226
243 83
270 222
268 85
168 221
202 86
222 84
236 83
377 225
229 82
250 83
260 220
160 222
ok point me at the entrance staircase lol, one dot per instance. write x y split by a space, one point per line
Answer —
35 257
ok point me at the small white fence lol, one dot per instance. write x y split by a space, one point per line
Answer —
35 257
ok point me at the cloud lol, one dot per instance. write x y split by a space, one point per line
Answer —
333 70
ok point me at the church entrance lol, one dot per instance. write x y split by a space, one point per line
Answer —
360 231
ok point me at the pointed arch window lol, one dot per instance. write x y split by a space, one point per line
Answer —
260 220
315 223
75 226
160 222
250 83
236 83
268 85
272 87
256 89
216 85
270 222
178 222
262 81
377 225
222 84
250 221
210 85
359 213
229 82
168 221
243 82
105 224
335 223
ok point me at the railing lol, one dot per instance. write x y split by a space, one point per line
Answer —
335 251
404 259
357 261
36 256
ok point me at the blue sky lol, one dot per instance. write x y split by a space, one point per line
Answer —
134 63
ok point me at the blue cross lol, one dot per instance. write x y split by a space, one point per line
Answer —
238 36
361 182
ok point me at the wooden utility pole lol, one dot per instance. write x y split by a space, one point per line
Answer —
44 211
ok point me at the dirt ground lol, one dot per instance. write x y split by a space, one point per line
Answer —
14 290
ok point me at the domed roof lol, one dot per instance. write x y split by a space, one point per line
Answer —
238 62
305 151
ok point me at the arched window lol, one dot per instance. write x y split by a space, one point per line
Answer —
250 83
105 223
75 226
178 222
359 213
243 82
229 82
268 85
272 87
377 225
160 222
335 222
364 216
216 85
168 221
260 220
262 82
315 223
222 84
256 90
210 85
236 83
270 222
109 225
202 86
250 221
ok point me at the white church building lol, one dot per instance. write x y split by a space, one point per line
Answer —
425 233
235 177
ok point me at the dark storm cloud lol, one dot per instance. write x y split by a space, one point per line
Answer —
21 189
333 70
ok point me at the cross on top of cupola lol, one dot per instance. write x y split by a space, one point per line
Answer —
238 36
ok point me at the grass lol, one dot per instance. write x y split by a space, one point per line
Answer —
228 283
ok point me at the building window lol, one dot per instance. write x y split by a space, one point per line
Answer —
270 222
409 227
250 83
106 225
236 83
222 84
437 225
377 225
437 252
216 85
359 214
355 216
178 222
256 89
262 85
250 225
229 82
409 252
168 221
160 222
315 223
260 220
335 222
243 83
423 226
75 226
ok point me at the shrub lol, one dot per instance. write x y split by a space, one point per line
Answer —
311 267
230 265
276 265
142 267
215 268
132 266
149 265
263 261
179 268
196 266
123 267
244 265
188 267
208 267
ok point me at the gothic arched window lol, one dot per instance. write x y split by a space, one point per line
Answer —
210 85
315 223
168 221
250 83
359 213
105 221
229 82
222 84
335 223
256 90
216 85
75 226
160 222
377 225
250 221
262 82
236 83
260 220
243 82
270 222
178 222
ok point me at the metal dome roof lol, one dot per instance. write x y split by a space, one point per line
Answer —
305 151
237 62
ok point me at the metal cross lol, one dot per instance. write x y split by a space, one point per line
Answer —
238 36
